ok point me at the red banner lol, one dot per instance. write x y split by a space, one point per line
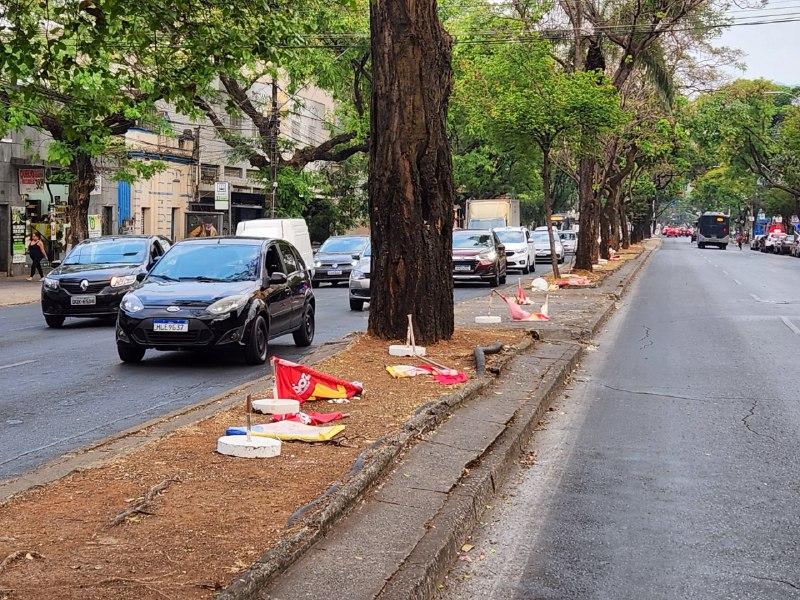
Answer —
299 382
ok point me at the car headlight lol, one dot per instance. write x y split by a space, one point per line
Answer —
131 303
317 263
356 274
50 284
123 280
228 304
490 255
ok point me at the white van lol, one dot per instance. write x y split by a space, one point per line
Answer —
294 231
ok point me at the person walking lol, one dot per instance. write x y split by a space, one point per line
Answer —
37 253
739 239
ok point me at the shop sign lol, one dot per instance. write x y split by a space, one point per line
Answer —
30 180
222 195
17 235
95 226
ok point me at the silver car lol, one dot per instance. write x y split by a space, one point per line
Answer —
569 239
359 280
541 244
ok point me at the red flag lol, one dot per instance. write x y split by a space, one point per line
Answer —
445 376
299 382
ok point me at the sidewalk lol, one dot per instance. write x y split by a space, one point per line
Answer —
17 290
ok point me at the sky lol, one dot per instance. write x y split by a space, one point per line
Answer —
771 51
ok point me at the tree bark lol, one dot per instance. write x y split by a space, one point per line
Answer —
80 188
623 223
587 208
548 209
605 231
613 217
410 173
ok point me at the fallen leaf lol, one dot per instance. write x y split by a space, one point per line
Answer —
467 547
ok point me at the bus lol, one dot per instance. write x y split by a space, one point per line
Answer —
713 229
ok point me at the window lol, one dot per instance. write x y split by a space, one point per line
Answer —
299 260
273 261
233 172
208 173
289 260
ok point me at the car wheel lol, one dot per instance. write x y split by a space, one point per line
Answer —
701 245
130 353
255 351
495 280
304 335
527 268
315 284
54 321
503 278
356 304
561 259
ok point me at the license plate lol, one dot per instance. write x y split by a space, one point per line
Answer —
463 268
335 272
86 300
171 325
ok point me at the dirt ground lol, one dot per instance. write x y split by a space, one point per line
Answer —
600 272
217 514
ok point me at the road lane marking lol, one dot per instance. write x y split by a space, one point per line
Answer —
18 364
724 272
756 298
738 282
790 325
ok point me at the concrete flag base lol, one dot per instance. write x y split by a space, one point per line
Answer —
488 319
273 406
255 447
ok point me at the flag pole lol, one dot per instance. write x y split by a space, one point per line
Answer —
249 405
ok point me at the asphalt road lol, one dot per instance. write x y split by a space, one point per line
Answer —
670 469
62 389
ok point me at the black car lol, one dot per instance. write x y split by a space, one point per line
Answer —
337 257
225 293
96 274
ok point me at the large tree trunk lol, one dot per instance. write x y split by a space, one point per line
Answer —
410 172
605 231
613 218
548 209
83 179
587 208
623 224
595 229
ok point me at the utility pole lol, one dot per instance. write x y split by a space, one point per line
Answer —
274 128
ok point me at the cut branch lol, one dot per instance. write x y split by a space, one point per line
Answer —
142 506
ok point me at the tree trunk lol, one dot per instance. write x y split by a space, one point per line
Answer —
623 223
410 172
595 230
587 208
83 179
548 209
605 231
613 218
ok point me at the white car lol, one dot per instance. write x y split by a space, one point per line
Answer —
569 239
519 248
541 244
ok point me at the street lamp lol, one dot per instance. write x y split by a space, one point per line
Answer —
274 191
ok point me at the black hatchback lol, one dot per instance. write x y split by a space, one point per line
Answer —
226 293
96 274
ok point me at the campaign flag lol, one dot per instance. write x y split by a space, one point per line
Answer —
309 418
518 314
299 382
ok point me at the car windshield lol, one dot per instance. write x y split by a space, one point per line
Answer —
541 236
367 250
343 245
463 240
209 262
107 252
511 237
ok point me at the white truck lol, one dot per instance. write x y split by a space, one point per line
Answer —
488 213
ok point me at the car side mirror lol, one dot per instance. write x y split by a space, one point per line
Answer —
55 263
140 277
278 278
356 257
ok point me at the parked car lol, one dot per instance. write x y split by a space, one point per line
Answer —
768 243
569 240
336 257
785 244
228 293
479 255
359 280
294 231
541 244
519 248
96 274
755 242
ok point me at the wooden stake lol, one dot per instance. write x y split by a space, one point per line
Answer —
249 411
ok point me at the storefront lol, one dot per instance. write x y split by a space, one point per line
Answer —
243 207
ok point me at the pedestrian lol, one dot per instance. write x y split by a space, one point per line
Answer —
37 253
205 229
739 239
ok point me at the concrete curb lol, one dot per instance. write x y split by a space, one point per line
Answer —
317 517
434 556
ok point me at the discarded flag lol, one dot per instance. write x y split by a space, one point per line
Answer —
290 431
517 314
400 371
309 418
446 376
303 383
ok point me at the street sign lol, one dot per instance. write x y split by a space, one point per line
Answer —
795 220
751 218
222 195
778 219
